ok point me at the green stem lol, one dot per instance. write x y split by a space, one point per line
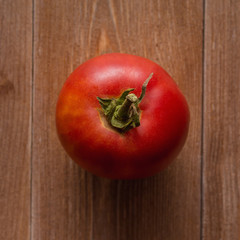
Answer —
123 110
123 113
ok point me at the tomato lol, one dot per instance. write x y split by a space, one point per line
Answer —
152 131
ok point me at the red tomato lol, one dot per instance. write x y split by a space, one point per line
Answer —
86 134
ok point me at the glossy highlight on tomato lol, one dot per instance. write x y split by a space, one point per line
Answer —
90 140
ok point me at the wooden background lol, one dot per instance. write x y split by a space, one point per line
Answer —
44 195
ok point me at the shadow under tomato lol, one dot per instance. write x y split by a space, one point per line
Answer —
158 207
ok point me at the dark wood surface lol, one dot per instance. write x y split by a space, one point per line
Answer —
221 135
15 118
44 195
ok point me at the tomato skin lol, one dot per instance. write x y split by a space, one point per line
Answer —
140 152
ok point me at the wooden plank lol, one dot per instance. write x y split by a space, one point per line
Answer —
60 195
15 118
221 121
69 203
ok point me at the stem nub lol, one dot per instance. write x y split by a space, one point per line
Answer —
123 110
123 113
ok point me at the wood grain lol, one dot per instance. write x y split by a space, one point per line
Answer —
221 121
60 190
69 203
15 118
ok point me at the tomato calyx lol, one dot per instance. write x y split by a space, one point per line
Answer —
123 113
